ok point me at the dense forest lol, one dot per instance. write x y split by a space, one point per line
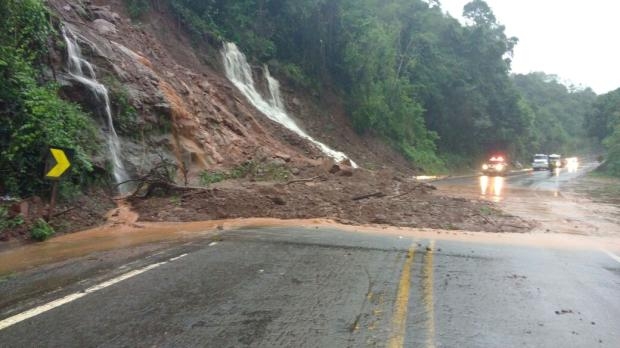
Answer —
558 112
439 91
603 123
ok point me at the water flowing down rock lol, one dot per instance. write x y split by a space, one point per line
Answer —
83 72
239 73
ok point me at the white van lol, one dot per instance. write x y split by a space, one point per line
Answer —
540 162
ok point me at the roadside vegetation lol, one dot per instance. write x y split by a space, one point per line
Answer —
559 114
33 116
604 125
41 230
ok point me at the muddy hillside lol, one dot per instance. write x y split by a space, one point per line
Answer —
188 110
199 131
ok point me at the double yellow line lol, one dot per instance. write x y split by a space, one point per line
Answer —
399 318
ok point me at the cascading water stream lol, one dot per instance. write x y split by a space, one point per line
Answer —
239 73
76 66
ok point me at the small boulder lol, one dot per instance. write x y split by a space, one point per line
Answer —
346 162
278 200
282 156
277 162
380 219
328 165
204 85
104 12
334 169
104 27
345 171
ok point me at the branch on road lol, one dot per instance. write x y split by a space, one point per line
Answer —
489 221
303 180
369 195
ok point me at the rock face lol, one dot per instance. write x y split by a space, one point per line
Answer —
186 110
104 27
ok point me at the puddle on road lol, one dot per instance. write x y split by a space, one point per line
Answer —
118 235
492 187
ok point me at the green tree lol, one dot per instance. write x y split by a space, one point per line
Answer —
603 123
32 114
559 113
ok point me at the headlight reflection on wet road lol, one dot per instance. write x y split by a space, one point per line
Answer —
572 164
492 186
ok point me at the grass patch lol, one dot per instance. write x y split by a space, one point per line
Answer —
7 222
488 211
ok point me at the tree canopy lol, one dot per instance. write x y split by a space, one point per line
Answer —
558 112
32 115
603 123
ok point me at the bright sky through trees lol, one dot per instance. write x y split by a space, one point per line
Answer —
574 39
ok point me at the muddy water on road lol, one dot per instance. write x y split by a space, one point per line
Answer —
564 220
555 211
123 235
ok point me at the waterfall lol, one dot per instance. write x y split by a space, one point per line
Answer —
239 72
77 66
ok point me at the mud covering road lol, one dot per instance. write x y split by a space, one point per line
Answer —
332 288
362 197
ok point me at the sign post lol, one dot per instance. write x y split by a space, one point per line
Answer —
58 163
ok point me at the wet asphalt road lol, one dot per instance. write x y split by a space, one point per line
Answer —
533 180
330 288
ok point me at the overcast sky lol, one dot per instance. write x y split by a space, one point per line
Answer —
577 40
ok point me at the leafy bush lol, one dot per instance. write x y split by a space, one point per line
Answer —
207 178
41 230
612 164
295 74
137 8
258 171
33 114
126 120
6 222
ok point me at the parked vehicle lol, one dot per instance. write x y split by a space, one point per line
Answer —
540 162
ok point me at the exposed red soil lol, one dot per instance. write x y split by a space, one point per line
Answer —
394 200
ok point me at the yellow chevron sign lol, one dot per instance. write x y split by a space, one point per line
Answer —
62 163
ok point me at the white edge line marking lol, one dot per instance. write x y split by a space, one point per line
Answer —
178 257
612 255
72 297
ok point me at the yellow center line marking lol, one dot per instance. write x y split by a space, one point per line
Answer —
429 301
399 318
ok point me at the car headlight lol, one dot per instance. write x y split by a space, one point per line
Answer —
485 167
500 167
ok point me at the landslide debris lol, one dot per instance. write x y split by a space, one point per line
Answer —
334 191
